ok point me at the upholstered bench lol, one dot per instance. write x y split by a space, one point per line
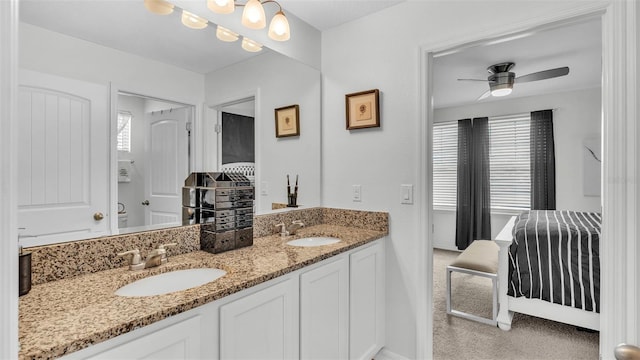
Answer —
479 259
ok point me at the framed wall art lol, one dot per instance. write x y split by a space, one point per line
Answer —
363 109
288 121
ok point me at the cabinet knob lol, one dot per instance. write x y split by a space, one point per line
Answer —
145 203
98 216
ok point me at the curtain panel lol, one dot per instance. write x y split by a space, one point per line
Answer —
543 161
473 205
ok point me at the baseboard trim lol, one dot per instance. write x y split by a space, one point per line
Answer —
386 354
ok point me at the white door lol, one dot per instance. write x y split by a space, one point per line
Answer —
63 159
168 165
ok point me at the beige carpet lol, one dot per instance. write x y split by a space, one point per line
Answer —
529 337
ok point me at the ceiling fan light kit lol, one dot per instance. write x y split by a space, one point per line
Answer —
253 17
501 78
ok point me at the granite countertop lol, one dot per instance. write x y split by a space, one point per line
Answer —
60 317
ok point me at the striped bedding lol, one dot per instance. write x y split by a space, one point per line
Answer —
555 257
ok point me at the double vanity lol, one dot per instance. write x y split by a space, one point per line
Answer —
316 294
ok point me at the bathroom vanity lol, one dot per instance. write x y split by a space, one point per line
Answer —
275 301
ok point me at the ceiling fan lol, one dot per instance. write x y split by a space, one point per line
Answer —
501 79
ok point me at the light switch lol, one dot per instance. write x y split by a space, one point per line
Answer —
406 194
357 193
264 188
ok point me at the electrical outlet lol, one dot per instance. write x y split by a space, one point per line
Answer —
264 188
357 193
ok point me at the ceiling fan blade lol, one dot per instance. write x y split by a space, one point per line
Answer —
541 75
483 80
484 96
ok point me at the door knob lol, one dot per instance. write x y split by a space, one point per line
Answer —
98 216
627 352
145 203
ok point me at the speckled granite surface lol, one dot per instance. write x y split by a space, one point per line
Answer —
60 317
65 260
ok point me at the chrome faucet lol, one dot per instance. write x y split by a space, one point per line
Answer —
156 257
283 229
295 225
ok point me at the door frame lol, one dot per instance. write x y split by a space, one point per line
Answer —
238 97
9 344
620 190
114 91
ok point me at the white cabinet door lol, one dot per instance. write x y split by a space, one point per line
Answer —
263 325
324 311
179 341
63 158
367 302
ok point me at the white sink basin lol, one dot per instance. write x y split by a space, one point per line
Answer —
313 241
170 282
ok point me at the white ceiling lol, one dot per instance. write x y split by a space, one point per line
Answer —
126 25
325 14
577 46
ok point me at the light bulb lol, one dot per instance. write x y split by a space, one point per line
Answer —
225 34
193 21
253 15
221 6
501 92
250 45
159 7
279 27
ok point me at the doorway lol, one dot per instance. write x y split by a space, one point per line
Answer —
431 113
153 141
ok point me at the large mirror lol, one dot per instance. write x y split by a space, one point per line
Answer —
82 63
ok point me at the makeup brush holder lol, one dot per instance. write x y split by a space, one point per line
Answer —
293 200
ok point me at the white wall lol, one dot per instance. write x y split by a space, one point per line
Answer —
577 116
277 81
382 51
49 52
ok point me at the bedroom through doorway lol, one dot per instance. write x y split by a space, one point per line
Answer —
575 103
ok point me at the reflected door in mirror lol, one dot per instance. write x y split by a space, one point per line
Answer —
63 159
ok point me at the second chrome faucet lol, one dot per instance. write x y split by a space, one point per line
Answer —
291 230
156 257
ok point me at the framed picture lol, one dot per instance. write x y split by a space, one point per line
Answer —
363 109
288 121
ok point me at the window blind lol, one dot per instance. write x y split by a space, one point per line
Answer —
445 154
124 131
509 156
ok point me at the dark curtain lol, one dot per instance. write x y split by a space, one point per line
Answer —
543 161
481 173
473 201
464 198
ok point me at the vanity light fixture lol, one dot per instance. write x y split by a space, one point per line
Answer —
159 7
253 16
221 6
250 45
193 21
225 34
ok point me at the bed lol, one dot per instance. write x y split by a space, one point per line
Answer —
549 267
248 169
